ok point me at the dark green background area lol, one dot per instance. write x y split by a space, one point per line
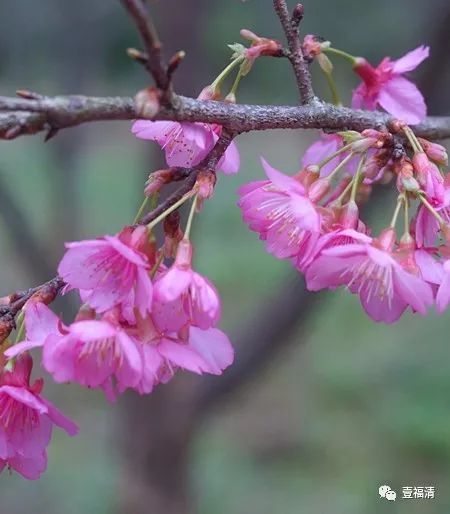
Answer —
348 405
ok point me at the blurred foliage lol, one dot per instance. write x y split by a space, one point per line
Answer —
358 405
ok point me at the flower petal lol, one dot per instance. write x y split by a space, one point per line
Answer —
402 99
411 60
231 161
282 181
214 347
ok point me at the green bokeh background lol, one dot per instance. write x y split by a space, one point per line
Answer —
349 404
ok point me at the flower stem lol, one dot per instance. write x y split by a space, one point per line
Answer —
340 165
432 210
413 141
21 324
344 193
406 206
154 200
400 200
190 218
141 210
333 89
237 80
172 208
157 264
341 53
225 72
325 161
357 177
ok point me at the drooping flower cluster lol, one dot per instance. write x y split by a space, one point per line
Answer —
139 323
312 219
146 313
133 331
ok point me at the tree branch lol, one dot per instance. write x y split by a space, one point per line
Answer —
300 66
208 164
20 116
153 59
45 293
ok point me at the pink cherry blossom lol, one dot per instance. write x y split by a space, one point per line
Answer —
26 421
280 210
92 353
109 271
335 238
386 86
198 296
187 144
370 270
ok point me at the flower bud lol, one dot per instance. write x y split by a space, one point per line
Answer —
325 63
147 103
405 177
205 183
313 46
434 151
230 98
156 180
364 144
318 189
349 215
209 93
349 136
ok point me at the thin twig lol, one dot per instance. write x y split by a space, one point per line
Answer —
153 58
301 69
20 117
209 164
45 293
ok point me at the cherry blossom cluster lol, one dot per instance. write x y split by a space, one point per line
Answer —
146 313
312 218
140 322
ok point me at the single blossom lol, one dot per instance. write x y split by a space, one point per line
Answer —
109 271
90 352
198 295
26 421
370 270
93 353
280 210
385 86
187 144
